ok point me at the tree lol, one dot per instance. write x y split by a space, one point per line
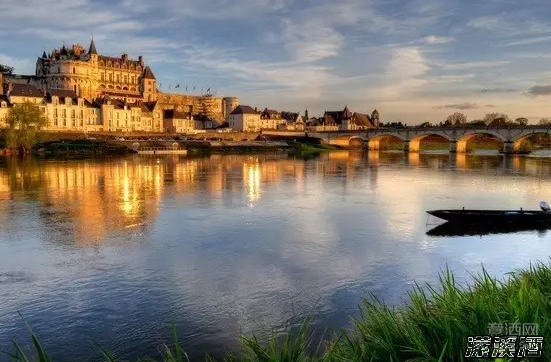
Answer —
521 121
456 119
544 121
497 119
4 69
477 122
24 121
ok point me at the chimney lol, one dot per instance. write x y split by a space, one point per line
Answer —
255 109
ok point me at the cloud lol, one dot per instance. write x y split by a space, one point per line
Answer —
488 22
19 65
433 39
527 41
497 90
460 106
539 91
472 65
404 73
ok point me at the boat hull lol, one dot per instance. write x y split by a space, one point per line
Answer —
492 216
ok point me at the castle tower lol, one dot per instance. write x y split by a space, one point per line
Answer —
228 105
149 85
375 118
93 53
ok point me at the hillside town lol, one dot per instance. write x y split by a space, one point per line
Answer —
80 90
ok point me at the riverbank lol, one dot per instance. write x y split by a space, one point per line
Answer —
433 326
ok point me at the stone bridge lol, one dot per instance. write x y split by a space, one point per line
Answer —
512 136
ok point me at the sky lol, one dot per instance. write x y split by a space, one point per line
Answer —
412 60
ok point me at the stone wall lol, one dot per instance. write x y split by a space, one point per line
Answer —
212 106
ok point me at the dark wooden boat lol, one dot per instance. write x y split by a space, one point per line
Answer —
493 216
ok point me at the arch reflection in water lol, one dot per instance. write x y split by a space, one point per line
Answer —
451 229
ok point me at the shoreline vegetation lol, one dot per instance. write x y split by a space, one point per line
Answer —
432 326
50 144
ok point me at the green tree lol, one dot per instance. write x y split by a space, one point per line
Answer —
4 69
456 119
24 121
521 121
544 121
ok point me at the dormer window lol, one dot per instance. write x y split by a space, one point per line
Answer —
68 100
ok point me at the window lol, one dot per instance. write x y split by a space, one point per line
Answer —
102 76
110 77
73 113
74 70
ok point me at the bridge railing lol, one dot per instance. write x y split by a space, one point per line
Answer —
438 128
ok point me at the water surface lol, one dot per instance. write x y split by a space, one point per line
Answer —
116 250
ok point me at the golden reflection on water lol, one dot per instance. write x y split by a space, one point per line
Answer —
93 198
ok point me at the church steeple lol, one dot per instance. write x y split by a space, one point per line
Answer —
92 49
44 56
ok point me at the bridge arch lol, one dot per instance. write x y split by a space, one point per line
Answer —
468 135
518 141
356 142
415 142
374 143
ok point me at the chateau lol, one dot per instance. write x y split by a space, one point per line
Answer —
81 89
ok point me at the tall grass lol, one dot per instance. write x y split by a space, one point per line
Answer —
432 326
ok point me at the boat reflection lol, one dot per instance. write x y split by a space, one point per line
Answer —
450 229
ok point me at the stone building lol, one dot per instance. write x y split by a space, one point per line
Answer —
67 111
178 122
346 120
116 85
271 119
244 119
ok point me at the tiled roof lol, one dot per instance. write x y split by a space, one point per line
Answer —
244 110
362 119
62 93
147 107
92 49
328 119
25 90
148 74
289 116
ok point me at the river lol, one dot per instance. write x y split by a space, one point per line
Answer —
117 250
